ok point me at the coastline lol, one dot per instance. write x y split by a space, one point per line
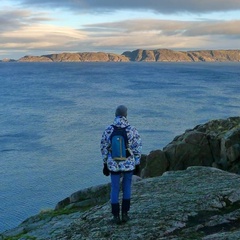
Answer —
139 55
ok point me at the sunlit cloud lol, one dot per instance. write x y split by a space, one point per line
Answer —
147 33
41 36
169 27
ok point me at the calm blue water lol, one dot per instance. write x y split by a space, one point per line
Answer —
52 116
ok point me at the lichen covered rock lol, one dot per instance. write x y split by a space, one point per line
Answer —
197 203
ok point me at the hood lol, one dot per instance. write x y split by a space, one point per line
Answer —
120 122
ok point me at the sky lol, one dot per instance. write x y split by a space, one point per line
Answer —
40 27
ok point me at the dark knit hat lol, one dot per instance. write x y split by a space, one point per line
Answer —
121 111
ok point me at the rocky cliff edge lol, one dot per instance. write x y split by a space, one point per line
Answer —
196 203
188 190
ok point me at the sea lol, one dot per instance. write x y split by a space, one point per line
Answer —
52 116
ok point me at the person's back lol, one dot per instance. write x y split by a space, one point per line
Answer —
123 166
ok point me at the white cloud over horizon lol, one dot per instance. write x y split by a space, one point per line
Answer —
54 26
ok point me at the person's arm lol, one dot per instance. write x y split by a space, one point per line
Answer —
136 145
105 144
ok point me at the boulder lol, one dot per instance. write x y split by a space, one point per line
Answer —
86 197
192 149
156 164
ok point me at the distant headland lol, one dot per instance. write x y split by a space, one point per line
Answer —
139 55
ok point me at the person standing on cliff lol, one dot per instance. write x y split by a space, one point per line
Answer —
121 168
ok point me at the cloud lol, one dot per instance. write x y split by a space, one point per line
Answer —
165 7
23 30
45 37
15 19
227 28
152 34
169 27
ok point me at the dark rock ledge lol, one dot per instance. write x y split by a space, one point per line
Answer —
179 201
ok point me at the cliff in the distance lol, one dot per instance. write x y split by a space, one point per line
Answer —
166 55
76 57
140 55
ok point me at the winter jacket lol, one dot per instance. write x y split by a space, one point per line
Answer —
135 145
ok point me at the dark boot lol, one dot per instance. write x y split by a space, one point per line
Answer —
125 209
115 212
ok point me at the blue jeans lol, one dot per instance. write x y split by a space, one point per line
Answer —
126 186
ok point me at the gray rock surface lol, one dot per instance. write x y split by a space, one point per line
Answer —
214 144
197 203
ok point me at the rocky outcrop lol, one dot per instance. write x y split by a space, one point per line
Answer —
86 198
188 190
76 57
214 144
197 203
166 55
